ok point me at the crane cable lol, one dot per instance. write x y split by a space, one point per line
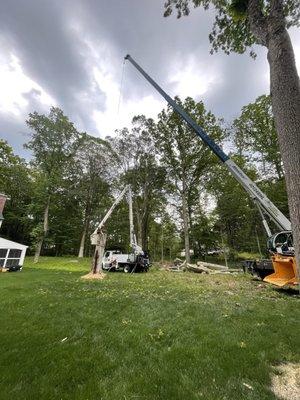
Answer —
121 88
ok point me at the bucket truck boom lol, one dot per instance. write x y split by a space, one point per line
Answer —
98 238
285 268
133 243
107 215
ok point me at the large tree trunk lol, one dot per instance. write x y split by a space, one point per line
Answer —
285 92
82 241
139 225
87 213
145 219
38 250
185 217
39 245
99 252
193 242
145 228
96 271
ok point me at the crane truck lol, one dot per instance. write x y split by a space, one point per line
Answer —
280 244
113 260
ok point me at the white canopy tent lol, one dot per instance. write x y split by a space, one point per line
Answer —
11 253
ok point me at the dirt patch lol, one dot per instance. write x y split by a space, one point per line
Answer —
286 382
91 276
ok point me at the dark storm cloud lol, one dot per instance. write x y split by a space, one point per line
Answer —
37 31
243 80
15 132
60 42
39 34
139 28
43 36
158 42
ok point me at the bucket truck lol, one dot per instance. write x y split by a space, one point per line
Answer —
136 261
280 244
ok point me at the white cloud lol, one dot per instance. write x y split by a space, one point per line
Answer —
184 78
109 120
192 78
119 109
14 84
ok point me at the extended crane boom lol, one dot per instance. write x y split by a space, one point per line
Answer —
256 194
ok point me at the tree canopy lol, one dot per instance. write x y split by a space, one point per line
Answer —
235 28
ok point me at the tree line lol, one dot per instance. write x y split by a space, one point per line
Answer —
183 198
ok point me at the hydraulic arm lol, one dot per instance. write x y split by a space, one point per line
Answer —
98 231
108 214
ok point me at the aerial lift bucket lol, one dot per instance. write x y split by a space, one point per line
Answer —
285 271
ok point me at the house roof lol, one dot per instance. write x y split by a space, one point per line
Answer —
9 244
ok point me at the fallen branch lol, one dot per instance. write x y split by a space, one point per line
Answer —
199 269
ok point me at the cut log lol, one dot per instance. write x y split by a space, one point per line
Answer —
199 269
177 261
177 267
212 266
212 269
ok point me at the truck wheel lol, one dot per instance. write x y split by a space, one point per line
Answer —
127 269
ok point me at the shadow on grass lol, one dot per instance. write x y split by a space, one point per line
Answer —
293 292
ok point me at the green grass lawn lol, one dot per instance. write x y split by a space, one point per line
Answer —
158 335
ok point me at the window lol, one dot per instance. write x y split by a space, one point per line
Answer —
10 257
14 253
12 262
3 253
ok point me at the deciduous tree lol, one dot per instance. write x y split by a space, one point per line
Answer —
137 156
53 143
16 182
255 136
184 156
94 158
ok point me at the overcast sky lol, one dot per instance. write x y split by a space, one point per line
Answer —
69 53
